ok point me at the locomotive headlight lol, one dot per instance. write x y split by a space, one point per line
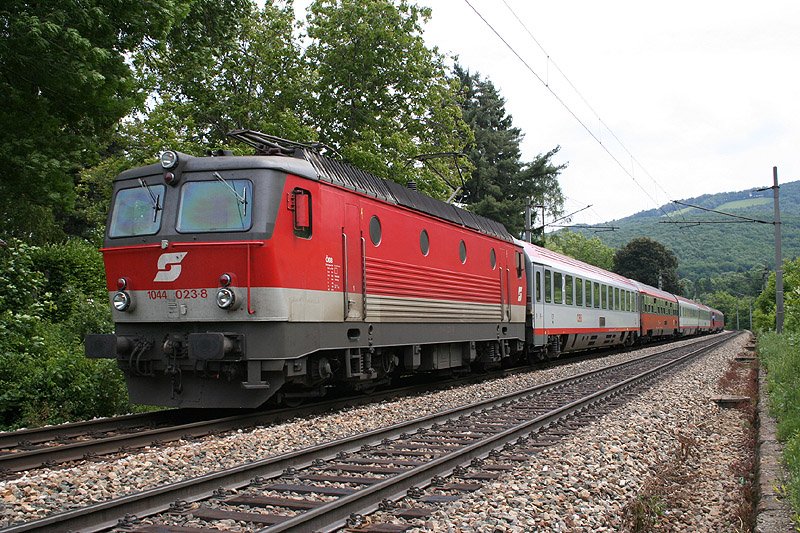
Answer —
121 301
169 159
226 298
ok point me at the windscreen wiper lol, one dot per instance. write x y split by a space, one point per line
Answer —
153 197
241 198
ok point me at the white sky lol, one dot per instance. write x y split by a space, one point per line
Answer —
704 94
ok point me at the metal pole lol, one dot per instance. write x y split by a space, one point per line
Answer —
737 314
528 234
778 257
543 238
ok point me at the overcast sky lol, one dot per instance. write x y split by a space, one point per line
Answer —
705 95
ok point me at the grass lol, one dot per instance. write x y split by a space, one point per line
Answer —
781 356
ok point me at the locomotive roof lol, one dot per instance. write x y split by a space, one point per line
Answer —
350 177
308 163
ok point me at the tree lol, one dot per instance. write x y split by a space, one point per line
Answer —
764 309
381 97
66 82
591 251
649 262
501 183
729 305
227 65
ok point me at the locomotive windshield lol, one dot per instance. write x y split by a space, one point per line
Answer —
137 211
223 205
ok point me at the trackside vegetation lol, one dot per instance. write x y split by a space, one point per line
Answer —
780 354
50 297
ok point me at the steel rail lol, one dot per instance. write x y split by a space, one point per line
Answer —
104 515
333 515
10 439
171 430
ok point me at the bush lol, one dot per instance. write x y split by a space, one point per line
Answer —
49 299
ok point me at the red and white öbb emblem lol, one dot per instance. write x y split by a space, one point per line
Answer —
169 266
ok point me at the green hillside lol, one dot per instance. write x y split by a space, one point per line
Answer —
710 250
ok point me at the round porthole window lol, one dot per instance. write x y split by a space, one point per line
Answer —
424 242
462 251
375 230
493 258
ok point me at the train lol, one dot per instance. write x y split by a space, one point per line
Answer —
241 280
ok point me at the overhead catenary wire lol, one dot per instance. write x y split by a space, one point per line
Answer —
600 121
567 107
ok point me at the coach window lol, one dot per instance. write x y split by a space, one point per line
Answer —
424 242
568 289
578 291
493 258
538 289
558 288
628 295
596 292
462 251
548 286
604 296
616 298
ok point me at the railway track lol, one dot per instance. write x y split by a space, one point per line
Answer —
332 486
49 446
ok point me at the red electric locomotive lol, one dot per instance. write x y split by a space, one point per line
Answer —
236 279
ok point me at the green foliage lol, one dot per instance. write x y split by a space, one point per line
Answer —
44 376
648 261
501 183
729 305
589 250
380 96
227 65
65 83
781 356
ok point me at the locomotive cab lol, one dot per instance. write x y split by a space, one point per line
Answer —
189 247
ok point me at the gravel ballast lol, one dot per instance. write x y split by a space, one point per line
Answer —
583 483
672 436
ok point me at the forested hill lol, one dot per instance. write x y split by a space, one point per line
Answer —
709 250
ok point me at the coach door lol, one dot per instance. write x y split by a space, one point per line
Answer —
537 304
353 251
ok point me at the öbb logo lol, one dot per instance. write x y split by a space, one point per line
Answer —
169 266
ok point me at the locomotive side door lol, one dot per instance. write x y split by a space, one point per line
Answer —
353 251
